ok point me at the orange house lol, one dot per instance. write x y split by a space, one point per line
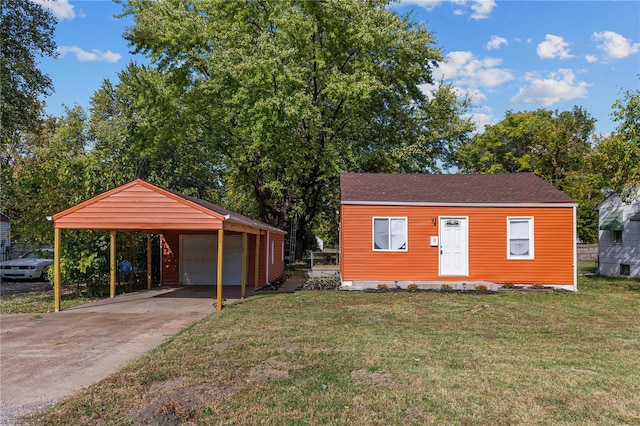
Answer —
192 233
459 230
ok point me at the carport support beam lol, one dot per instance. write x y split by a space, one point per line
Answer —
149 261
56 269
256 271
220 257
244 265
112 265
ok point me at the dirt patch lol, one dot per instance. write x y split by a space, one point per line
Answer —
218 347
479 308
290 347
8 288
380 378
271 369
176 404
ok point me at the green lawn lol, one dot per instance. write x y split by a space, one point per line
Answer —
350 358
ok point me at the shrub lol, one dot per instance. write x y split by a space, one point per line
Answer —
537 286
446 287
383 287
481 288
412 287
508 285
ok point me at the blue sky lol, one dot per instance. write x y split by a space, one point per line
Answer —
509 55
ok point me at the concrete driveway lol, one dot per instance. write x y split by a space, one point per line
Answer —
45 358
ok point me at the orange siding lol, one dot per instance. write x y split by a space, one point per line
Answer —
170 258
487 238
137 207
276 268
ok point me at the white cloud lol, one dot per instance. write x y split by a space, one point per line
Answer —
93 56
467 70
615 45
554 47
480 9
591 58
558 86
481 120
60 8
496 42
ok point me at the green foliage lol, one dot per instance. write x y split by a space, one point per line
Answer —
621 152
26 31
57 173
554 145
85 261
277 98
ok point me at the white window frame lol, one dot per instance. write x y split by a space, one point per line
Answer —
389 218
531 254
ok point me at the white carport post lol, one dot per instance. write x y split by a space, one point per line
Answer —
220 258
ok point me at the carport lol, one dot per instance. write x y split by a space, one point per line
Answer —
255 253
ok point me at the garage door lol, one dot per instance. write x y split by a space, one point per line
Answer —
199 260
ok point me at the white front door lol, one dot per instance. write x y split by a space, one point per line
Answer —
454 246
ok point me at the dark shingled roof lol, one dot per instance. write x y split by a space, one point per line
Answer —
232 216
448 189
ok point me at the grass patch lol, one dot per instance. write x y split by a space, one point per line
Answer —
528 358
38 301
587 267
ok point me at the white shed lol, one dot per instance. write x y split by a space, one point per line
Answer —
619 237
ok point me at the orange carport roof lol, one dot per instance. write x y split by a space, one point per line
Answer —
141 206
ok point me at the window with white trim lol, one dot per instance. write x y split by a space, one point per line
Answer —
390 234
519 238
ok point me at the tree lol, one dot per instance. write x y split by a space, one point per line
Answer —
289 94
554 145
548 143
26 31
624 146
143 128
56 174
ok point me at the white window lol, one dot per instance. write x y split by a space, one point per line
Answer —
273 245
519 238
390 233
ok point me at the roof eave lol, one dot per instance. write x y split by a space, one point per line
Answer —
449 204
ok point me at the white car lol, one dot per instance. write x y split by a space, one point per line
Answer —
29 266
